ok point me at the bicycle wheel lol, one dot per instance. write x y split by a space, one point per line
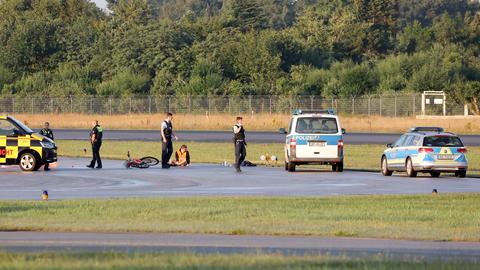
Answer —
151 161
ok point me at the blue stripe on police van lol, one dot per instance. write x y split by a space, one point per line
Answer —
304 139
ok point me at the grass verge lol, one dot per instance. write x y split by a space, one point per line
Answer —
256 122
422 217
187 261
356 156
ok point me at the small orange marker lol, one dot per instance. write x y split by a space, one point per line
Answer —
45 195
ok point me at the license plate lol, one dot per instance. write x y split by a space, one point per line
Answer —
446 157
320 144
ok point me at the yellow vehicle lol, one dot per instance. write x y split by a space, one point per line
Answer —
20 145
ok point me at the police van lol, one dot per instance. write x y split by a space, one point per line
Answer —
19 145
314 137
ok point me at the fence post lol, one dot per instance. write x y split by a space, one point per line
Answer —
91 105
380 105
13 105
250 103
395 104
169 104
353 105
189 104
71 104
311 103
369 105
110 105
33 102
51 105
270 104
149 104
413 108
130 105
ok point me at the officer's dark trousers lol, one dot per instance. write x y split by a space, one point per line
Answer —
240 154
167 151
96 155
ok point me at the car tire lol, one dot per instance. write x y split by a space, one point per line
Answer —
435 174
409 168
334 167
28 162
461 174
291 167
385 170
340 167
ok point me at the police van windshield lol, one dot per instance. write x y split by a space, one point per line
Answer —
321 125
22 126
442 141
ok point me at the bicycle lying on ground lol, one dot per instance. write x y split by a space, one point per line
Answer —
141 163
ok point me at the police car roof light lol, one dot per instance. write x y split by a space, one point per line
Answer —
426 129
327 111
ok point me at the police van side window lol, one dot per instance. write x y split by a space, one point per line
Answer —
7 128
290 126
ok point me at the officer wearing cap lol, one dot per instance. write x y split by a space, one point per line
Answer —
240 143
47 132
96 139
166 132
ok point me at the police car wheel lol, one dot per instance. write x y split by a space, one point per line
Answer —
435 174
409 168
461 174
385 170
28 162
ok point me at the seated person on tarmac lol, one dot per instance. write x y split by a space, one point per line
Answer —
182 157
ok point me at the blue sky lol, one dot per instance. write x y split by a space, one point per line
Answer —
100 3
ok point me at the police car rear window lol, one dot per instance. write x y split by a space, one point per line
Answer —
318 125
442 141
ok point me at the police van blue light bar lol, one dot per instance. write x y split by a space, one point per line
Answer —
328 111
426 129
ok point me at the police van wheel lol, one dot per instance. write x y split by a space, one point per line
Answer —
461 173
28 162
291 167
340 167
435 174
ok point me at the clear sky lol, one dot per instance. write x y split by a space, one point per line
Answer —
100 3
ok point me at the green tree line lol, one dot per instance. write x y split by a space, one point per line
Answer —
340 48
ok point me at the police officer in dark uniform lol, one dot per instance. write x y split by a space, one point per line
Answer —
47 132
96 139
240 143
167 144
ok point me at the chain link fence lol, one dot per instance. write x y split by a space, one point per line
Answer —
388 105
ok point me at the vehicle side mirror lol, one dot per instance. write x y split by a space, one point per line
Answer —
390 145
282 131
344 131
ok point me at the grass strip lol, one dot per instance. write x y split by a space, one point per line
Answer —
423 217
189 261
356 156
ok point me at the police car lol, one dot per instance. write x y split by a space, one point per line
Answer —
314 137
428 150
20 145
